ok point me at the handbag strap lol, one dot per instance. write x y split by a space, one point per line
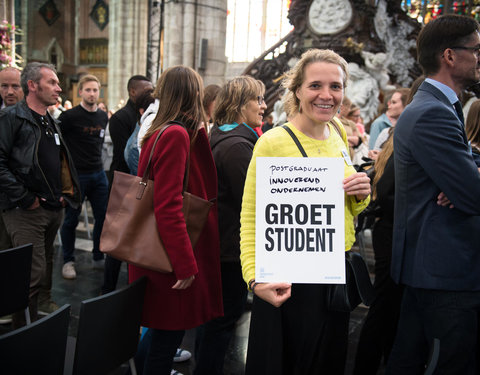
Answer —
146 174
362 278
359 268
295 139
297 142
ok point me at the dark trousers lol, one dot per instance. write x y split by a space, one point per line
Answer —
110 274
380 326
5 241
94 186
212 338
160 352
301 337
38 227
446 317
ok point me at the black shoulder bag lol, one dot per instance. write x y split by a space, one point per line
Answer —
358 287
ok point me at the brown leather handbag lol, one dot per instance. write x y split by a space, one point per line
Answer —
130 231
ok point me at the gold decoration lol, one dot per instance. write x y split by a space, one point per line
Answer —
352 45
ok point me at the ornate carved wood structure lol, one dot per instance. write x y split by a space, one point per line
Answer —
352 37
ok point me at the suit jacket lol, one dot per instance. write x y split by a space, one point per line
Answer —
435 247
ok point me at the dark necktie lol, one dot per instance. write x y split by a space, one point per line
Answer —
458 108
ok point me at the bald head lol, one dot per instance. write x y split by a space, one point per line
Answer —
10 89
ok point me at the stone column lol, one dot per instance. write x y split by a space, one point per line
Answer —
127 46
186 25
173 35
189 31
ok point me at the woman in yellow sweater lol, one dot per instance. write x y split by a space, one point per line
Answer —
291 330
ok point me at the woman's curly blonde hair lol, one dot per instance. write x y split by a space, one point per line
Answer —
295 76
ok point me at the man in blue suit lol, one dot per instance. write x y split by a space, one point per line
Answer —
436 238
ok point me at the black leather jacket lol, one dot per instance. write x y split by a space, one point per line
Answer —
21 177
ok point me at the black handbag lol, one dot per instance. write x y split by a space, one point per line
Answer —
358 287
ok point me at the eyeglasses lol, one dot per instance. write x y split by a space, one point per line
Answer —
475 50
260 100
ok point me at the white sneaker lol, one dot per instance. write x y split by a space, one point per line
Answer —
68 271
6 319
182 355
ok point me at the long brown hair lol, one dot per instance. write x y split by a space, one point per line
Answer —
472 125
404 95
414 88
381 162
180 92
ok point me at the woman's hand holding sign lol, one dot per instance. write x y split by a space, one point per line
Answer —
357 184
274 293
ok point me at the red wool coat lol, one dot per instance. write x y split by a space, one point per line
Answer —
164 307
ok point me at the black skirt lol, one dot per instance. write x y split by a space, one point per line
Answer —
300 337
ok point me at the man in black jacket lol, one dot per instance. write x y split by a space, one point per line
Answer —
37 176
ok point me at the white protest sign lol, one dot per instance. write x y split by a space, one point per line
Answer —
300 220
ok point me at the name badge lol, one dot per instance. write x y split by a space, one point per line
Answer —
57 139
102 133
346 157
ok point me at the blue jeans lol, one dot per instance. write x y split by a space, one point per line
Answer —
94 186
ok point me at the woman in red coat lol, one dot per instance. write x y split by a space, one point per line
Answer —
192 294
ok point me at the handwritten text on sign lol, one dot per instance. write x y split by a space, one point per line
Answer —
300 220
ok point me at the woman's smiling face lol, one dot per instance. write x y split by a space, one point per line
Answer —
321 92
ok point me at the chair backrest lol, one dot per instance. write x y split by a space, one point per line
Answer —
108 329
15 268
38 348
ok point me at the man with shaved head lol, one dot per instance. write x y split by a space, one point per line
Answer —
10 89
10 92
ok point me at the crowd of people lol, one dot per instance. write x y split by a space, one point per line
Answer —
421 192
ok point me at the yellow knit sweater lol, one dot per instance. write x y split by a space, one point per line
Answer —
278 143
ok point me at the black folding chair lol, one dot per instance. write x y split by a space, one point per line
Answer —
108 331
15 269
37 348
